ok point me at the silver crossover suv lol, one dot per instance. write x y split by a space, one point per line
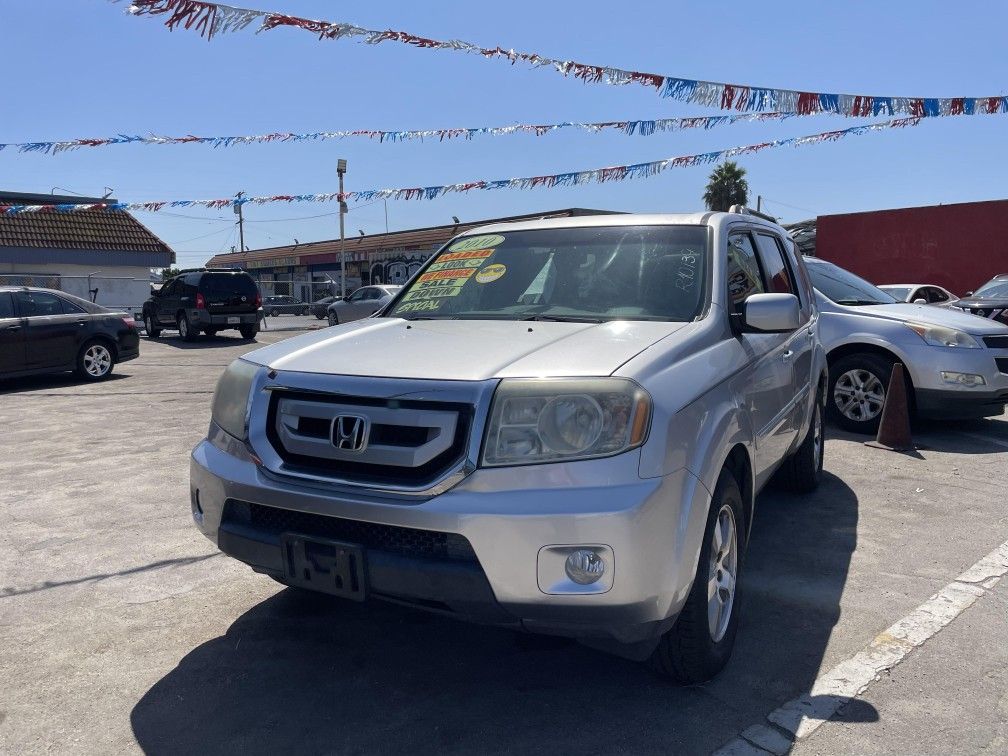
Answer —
558 425
956 364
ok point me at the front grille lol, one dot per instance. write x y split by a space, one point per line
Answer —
996 342
411 542
410 443
1002 364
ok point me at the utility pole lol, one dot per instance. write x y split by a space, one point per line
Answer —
759 202
241 221
341 167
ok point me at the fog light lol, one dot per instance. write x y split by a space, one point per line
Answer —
584 567
963 379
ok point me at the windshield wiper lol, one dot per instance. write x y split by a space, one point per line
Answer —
856 302
563 319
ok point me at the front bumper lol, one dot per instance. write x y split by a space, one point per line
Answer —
936 399
508 516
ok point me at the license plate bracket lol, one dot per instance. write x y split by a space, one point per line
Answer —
323 565
233 321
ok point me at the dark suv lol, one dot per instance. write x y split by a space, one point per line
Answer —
989 301
207 301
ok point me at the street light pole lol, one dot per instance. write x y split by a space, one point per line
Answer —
241 221
341 167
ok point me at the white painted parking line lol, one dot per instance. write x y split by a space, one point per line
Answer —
800 717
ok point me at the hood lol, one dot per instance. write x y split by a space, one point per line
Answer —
927 314
981 303
465 350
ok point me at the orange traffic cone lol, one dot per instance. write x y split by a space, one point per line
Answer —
894 429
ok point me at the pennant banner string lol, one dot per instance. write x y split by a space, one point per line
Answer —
596 175
210 19
643 128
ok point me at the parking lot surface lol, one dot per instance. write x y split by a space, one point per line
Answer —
122 629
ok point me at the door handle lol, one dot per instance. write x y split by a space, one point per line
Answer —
786 357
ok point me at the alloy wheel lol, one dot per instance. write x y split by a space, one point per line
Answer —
183 327
721 577
859 395
97 360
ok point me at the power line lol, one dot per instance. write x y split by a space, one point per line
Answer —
204 236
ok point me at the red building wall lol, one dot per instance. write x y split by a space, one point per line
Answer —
956 246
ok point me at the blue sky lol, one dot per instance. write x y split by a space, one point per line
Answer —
81 68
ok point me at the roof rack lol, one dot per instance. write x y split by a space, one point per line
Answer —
743 210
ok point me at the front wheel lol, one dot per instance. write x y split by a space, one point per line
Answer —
857 392
700 643
95 361
152 330
274 313
333 319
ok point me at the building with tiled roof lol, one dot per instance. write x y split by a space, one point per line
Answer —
105 256
308 271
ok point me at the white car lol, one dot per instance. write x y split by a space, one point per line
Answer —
363 303
921 294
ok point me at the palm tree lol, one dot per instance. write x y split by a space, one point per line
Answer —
726 186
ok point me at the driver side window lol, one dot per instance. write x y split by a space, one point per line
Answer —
358 295
743 272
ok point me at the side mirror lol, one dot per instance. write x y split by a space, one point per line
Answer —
969 293
771 313
920 301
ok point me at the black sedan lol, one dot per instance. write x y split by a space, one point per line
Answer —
43 331
280 304
320 306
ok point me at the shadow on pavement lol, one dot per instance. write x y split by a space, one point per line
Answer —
54 381
314 674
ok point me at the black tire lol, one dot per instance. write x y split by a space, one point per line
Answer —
249 331
333 319
274 313
152 330
210 331
802 471
689 653
185 329
321 316
95 360
875 371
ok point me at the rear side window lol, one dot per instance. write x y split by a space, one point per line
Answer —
228 283
6 305
778 276
743 272
34 304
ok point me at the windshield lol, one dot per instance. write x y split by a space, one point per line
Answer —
843 287
900 292
575 274
996 289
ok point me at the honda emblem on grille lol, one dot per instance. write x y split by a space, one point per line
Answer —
350 432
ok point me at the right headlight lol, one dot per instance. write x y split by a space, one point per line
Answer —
562 419
231 399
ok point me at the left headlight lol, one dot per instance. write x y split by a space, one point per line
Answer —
561 419
231 399
941 336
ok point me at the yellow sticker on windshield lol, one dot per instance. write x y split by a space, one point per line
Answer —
491 273
476 242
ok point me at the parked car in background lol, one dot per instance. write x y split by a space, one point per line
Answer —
558 425
281 304
956 364
920 294
989 301
45 331
364 302
320 307
207 301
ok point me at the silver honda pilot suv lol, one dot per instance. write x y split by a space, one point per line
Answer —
559 426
